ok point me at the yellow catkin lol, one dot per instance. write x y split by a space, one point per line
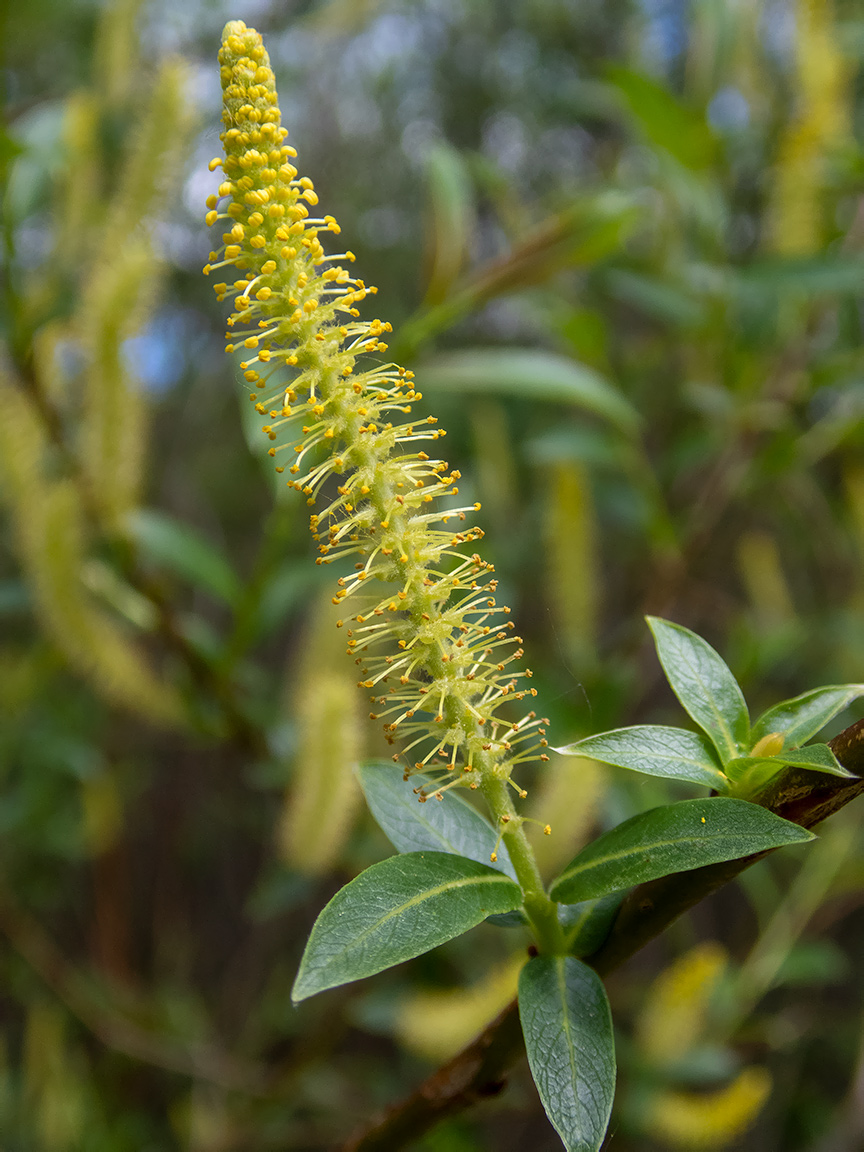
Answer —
113 436
116 63
117 298
424 626
571 796
676 1006
78 191
820 123
688 1120
762 573
51 1084
89 639
323 796
435 1025
157 143
48 521
571 562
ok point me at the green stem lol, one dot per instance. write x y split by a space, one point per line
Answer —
540 910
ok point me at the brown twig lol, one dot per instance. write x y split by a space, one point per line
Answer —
200 1061
478 1071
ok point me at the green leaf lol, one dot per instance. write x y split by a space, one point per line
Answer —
704 685
446 825
179 548
533 375
571 1048
675 838
396 910
655 751
586 924
664 120
669 303
803 716
816 757
451 198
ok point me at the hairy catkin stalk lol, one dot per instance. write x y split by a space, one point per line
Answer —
428 635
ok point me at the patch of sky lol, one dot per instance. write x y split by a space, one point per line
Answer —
358 116
515 60
418 138
383 227
505 140
563 152
158 355
665 36
729 110
389 44
169 27
777 29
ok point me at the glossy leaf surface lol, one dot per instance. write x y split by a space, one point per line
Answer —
675 838
800 718
571 1049
703 683
396 910
656 751
446 825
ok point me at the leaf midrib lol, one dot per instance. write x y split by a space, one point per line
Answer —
726 731
683 840
562 991
427 894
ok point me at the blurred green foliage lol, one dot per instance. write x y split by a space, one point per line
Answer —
622 245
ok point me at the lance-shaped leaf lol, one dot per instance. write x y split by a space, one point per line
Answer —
182 550
446 825
396 910
656 751
800 718
704 685
534 375
571 1049
816 757
676 838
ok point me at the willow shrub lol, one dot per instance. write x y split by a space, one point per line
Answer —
436 651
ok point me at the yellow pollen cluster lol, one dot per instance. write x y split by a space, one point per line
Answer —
429 637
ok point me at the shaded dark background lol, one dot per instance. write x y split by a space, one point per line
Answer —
621 246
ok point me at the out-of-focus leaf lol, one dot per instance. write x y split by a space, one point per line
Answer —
814 962
665 120
14 597
182 550
446 825
571 1048
396 910
676 838
811 276
533 375
291 586
661 301
451 201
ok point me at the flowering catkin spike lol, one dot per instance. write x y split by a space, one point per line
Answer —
429 639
